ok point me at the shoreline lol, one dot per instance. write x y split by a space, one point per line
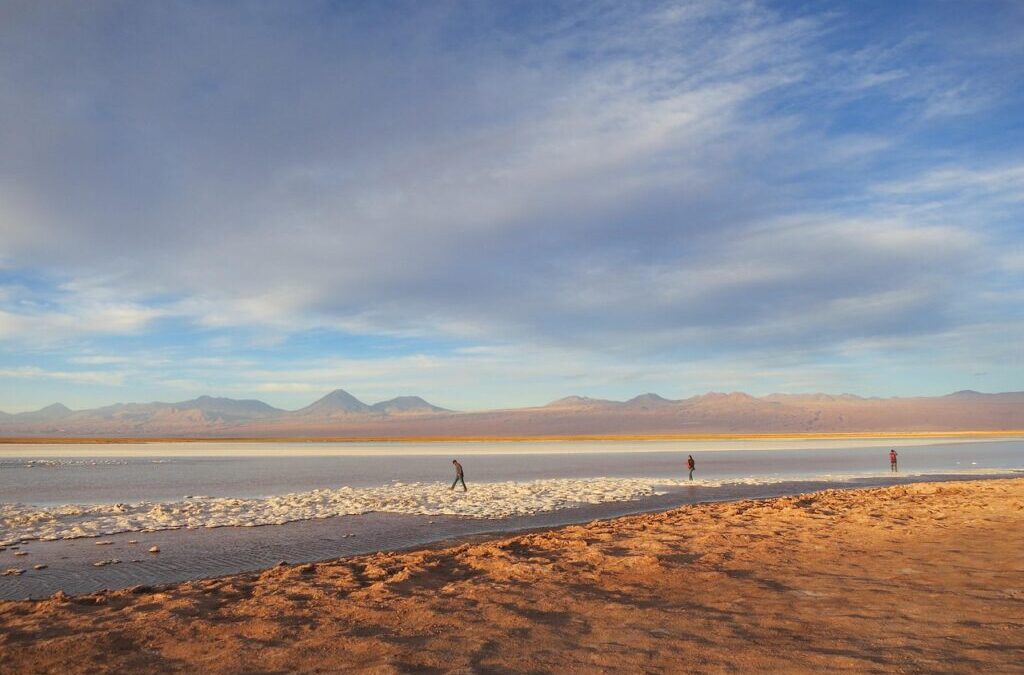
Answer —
190 553
268 448
921 576
709 437
497 502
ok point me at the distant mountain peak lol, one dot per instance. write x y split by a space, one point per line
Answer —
339 414
722 396
54 411
228 406
406 404
338 401
648 400
575 401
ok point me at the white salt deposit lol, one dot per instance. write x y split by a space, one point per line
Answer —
484 500
19 522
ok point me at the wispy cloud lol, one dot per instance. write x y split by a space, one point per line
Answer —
662 187
77 376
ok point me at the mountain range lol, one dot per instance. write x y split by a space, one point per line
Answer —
341 415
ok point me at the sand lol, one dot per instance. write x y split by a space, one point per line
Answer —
917 578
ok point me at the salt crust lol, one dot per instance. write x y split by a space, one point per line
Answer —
20 522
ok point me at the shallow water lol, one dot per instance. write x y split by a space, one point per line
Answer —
106 474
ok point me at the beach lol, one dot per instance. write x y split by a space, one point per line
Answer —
920 577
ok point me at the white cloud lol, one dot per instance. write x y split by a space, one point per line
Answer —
1004 183
72 317
109 378
670 181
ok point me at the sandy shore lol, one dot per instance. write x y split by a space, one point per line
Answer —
918 578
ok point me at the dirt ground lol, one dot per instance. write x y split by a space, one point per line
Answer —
918 578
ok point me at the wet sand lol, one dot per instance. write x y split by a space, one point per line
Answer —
926 577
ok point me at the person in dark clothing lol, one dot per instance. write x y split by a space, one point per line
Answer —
892 460
691 465
459 477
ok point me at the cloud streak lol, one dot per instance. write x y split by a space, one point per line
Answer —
676 183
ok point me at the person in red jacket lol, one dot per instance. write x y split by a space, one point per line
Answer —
691 465
892 460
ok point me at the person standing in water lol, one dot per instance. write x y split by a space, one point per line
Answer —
892 460
691 465
458 476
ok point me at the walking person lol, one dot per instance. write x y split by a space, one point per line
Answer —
892 460
459 477
691 465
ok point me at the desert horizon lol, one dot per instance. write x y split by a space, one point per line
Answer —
341 416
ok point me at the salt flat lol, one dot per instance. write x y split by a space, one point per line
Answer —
272 448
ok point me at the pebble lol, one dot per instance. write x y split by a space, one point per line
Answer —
104 543
154 549
39 567
21 553
13 572
133 541
102 563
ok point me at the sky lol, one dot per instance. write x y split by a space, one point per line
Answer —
497 204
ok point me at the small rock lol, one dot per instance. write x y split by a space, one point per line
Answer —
102 563
13 572
133 541
136 560
21 553
39 567
104 543
281 563
154 549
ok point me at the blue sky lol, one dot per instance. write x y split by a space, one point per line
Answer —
499 204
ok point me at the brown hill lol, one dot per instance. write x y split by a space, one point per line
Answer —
341 415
